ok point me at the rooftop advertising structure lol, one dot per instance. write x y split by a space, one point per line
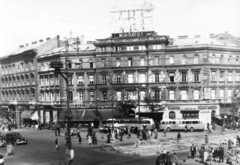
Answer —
127 19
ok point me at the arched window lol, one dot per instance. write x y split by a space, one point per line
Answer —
156 60
221 59
213 59
118 63
184 59
171 60
142 61
130 62
172 115
103 62
196 59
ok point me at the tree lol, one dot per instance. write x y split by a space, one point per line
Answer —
125 107
235 105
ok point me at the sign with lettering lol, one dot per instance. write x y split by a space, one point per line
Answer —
132 18
133 34
207 107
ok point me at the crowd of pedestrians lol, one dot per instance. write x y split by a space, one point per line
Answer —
167 158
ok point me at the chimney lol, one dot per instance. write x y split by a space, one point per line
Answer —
182 37
212 35
21 46
34 42
41 40
197 36
48 38
89 42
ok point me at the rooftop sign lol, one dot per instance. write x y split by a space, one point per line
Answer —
132 18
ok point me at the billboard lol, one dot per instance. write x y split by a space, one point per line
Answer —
132 18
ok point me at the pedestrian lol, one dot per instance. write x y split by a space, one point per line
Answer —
186 128
155 133
216 154
92 125
174 159
178 137
79 137
121 134
10 149
229 144
66 138
160 160
197 150
205 153
201 151
165 132
89 137
94 138
57 144
229 157
129 132
193 151
169 158
206 139
208 128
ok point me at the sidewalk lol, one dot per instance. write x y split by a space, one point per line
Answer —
195 161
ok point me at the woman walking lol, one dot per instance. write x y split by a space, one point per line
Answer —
79 137
89 137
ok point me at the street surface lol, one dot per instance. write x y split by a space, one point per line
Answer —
41 150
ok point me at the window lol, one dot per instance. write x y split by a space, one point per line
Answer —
129 48
196 76
142 78
184 76
142 47
70 80
80 94
156 46
171 77
80 63
91 63
229 76
171 60
130 95
221 77
213 76
69 64
130 78
92 96
221 59
237 60
196 94
229 59
183 94
156 77
213 59
221 91
118 63
135 47
171 95
104 79
142 95
142 61
196 59
91 79
104 93
229 93
70 95
80 80
172 115
237 76
118 78
213 94
156 60
184 59
119 95
157 94
103 62
130 62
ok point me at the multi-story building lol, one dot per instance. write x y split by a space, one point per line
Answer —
19 83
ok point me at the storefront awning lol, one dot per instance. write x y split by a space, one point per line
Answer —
35 116
89 115
26 114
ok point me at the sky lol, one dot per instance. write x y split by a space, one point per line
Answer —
25 21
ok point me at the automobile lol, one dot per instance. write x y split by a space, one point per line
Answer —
15 138
1 160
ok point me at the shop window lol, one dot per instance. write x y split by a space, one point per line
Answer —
172 115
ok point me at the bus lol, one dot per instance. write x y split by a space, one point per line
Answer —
179 124
129 123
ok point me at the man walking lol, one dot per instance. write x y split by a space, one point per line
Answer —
178 137
57 144
208 128
193 151
186 128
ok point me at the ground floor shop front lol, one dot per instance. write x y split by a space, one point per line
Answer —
202 111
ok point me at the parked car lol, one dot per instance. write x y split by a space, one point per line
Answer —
15 138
